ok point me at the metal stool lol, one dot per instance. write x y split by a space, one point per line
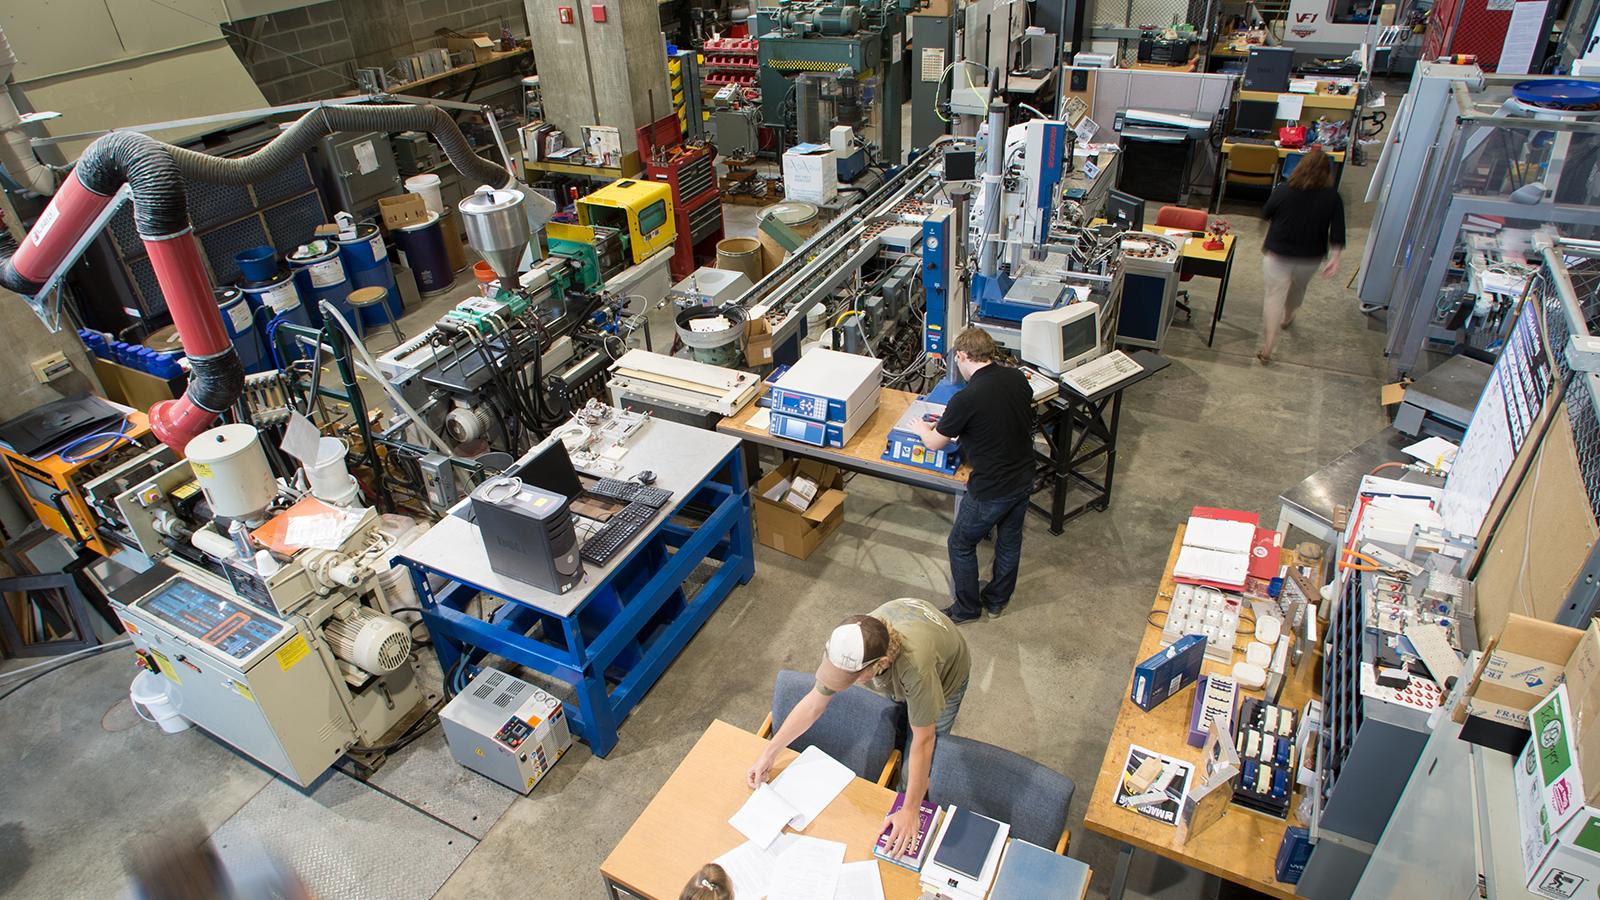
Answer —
378 296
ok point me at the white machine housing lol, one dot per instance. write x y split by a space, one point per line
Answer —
1061 339
506 729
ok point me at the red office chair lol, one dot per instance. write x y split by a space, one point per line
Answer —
1191 220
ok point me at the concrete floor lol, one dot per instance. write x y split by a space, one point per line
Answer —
1215 428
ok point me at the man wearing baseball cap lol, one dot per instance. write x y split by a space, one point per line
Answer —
906 650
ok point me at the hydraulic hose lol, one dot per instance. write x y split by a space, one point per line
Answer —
306 131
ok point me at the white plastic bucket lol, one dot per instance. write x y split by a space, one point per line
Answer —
152 700
427 186
330 479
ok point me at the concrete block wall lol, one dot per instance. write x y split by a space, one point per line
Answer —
318 36
343 34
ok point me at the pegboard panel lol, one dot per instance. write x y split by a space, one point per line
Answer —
222 243
150 299
213 204
291 224
290 181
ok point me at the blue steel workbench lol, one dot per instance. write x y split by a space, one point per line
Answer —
614 634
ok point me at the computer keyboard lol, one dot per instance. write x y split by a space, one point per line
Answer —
1098 374
615 534
629 492
1253 141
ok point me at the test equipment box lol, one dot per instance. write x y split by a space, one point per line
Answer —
905 445
828 386
1168 672
506 729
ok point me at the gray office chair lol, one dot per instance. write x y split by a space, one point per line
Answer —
1002 785
858 728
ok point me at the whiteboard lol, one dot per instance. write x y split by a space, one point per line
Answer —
1511 403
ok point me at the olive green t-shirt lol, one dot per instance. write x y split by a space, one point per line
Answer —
933 661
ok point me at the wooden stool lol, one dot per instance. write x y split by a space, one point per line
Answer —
378 296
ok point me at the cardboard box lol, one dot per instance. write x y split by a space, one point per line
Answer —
134 388
1519 667
810 173
936 8
477 46
1168 672
790 531
1560 827
758 342
406 209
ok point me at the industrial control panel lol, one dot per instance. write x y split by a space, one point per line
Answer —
235 629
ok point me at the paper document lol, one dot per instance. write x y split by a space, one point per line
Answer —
810 783
1290 106
808 870
859 881
761 420
1219 534
794 798
1200 564
762 817
750 867
1435 451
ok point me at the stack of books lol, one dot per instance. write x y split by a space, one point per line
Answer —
916 853
965 856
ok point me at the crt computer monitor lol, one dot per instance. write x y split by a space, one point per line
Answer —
550 469
1125 211
1061 339
1255 117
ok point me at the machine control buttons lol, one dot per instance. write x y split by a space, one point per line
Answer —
514 732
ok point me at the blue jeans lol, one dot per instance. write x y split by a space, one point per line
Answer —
974 520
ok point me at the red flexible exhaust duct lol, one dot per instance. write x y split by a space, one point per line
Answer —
162 218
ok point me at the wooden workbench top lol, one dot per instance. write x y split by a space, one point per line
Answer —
1243 845
864 451
686 824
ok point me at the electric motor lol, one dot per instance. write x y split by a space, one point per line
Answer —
464 423
369 640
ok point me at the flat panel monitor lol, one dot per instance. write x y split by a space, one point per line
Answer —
1255 117
551 470
1060 339
1125 211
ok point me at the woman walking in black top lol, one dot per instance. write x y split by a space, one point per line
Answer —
1305 223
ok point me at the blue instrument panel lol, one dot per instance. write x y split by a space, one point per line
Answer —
237 629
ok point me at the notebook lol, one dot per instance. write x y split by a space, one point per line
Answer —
967 841
1028 871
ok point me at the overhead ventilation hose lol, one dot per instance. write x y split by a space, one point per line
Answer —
304 134
155 172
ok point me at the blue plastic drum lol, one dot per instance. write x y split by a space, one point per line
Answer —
321 276
239 319
257 263
279 296
423 246
366 262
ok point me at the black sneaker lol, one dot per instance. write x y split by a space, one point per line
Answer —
994 612
957 616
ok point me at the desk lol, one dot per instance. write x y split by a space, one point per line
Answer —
1336 156
686 825
1242 846
863 453
1198 262
615 633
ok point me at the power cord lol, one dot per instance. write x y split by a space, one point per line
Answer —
87 653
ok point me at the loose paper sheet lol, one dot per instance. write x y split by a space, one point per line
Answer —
808 870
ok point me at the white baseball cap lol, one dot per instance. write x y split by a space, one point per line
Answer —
843 657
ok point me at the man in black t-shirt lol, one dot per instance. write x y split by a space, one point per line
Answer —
992 417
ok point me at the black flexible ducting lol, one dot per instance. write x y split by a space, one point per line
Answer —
215 382
160 208
10 278
304 134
